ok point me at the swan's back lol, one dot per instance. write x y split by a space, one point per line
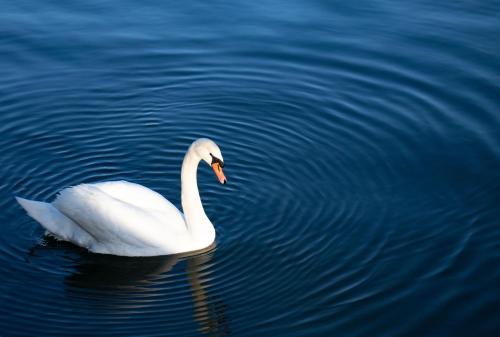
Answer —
137 195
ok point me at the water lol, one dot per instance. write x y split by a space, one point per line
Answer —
362 149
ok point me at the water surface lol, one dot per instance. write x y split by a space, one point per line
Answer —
362 144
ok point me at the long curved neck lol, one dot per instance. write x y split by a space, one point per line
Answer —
197 221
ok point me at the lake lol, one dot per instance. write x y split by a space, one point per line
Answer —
362 151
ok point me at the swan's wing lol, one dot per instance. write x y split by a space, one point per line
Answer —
139 196
55 222
116 224
145 199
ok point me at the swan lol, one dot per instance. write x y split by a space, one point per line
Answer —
127 219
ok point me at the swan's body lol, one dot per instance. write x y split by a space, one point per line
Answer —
128 219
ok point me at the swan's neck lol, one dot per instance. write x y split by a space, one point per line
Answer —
197 221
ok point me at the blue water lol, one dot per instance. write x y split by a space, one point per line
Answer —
362 150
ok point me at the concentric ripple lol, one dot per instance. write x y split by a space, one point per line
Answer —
362 151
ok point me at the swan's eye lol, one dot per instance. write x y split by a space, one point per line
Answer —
217 160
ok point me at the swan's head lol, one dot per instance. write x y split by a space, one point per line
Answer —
210 153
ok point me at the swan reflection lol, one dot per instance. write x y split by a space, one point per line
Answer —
208 313
116 284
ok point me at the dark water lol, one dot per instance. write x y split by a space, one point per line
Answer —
362 144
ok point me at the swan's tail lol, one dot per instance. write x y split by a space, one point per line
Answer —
56 222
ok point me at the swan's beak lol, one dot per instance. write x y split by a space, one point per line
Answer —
219 173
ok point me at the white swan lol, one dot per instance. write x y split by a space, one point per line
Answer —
122 218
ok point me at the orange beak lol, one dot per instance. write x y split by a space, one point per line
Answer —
219 173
